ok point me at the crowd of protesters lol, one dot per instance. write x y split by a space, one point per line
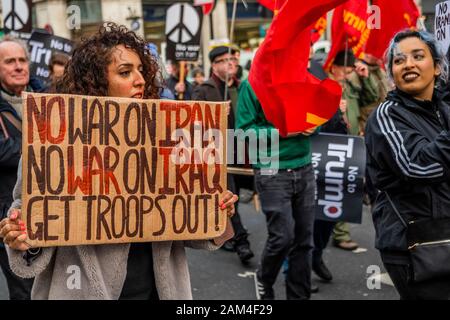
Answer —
401 109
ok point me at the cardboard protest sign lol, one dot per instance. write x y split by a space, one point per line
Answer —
42 47
442 25
115 170
339 163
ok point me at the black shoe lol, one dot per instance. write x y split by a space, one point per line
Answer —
314 288
244 252
322 271
228 246
265 292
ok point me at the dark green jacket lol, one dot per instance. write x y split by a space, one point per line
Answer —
293 152
358 92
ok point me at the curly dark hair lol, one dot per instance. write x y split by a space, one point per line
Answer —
86 72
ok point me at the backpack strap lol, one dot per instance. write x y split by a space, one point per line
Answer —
3 128
13 120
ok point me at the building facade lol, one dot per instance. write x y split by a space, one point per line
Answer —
73 19
428 11
145 17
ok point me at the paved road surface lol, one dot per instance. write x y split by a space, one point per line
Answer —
219 275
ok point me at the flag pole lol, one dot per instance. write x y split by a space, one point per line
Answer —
345 55
182 76
345 75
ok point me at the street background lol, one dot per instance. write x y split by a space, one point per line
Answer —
219 275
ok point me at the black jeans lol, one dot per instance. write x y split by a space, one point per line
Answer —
322 233
235 183
434 289
19 289
287 200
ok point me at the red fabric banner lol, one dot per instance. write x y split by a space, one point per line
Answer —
292 99
272 5
349 26
393 18
319 28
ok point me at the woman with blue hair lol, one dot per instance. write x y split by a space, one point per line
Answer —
408 154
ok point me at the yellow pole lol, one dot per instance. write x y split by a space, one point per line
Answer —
182 77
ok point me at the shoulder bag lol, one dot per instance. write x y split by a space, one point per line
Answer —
428 245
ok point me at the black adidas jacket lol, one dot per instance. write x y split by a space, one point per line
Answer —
408 156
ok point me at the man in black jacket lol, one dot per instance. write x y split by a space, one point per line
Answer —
14 78
223 62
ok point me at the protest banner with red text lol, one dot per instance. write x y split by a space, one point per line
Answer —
115 170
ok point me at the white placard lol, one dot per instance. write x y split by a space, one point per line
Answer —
442 24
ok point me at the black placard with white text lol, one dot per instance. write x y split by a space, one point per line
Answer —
183 30
42 46
339 165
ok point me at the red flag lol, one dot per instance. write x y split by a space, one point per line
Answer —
394 18
207 5
319 28
349 26
292 99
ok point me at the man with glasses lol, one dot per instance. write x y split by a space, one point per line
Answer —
224 70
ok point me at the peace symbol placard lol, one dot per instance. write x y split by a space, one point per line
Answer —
183 30
17 15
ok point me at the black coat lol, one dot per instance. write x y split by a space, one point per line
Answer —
207 91
11 149
10 152
171 82
408 156
210 91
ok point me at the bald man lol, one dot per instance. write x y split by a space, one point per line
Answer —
14 79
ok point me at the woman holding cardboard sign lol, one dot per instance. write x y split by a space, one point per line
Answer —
114 62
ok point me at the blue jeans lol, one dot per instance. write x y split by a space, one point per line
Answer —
287 200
